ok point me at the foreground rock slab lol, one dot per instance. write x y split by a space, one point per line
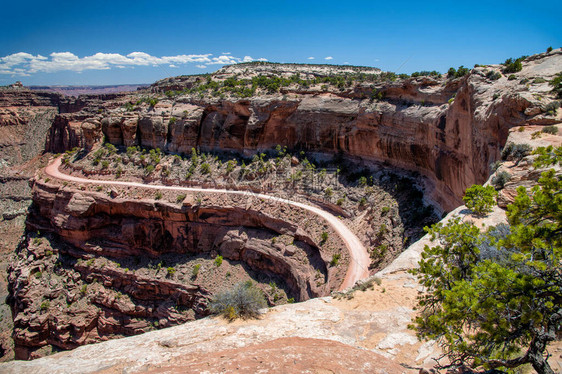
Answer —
374 336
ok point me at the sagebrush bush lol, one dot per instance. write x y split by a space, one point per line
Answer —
516 151
550 130
556 83
551 108
493 75
244 300
521 150
495 166
500 179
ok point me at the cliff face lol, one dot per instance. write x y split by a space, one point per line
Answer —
448 130
105 267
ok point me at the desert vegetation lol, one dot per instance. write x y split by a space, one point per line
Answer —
494 296
385 199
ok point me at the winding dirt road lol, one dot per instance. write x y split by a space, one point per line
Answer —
358 267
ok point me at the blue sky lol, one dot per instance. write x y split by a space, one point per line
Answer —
117 42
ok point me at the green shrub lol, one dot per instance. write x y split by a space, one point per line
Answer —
328 192
516 151
549 49
149 168
340 201
493 75
513 66
180 198
451 72
218 261
426 73
495 166
335 259
385 210
104 164
110 148
500 179
170 271
154 155
38 275
324 236
45 305
364 285
512 77
480 200
230 165
550 130
539 80
84 289
242 301
131 151
521 150
556 83
158 195
551 108
205 168
383 229
461 72
195 270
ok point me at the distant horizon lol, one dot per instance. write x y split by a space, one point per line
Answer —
114 43
220 67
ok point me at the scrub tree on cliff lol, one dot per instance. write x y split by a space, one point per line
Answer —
494 299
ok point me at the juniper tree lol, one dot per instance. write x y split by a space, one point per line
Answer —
494 299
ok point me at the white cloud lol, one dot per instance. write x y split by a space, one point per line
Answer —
24 64
201 66
328 58
311 58
346 63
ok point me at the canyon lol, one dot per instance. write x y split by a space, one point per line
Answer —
98 261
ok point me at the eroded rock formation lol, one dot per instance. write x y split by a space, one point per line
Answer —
448 130
90 276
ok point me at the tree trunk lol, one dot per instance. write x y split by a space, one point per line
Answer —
536 351
540 364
